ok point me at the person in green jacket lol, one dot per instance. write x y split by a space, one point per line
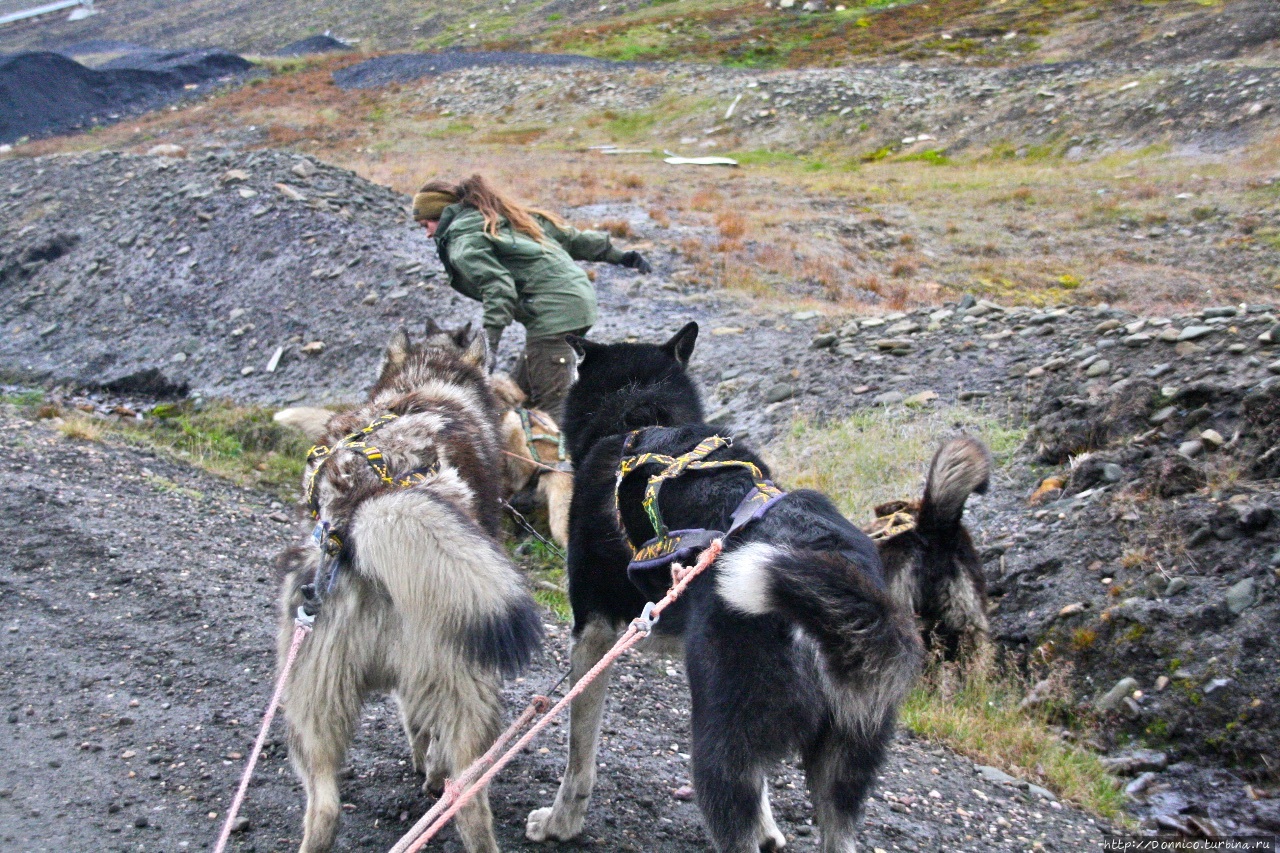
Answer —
519 262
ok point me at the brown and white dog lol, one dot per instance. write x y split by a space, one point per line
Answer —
929 560
533 449
413 592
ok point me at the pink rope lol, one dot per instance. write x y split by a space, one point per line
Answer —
636 631
299 633
452 789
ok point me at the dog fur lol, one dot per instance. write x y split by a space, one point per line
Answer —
792 641
426 603
934 569
554 488
522 466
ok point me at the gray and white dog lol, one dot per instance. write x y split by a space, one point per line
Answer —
930 562
412 592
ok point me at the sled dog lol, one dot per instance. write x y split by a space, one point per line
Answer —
535 452
792 641
928 556
411 591
529 438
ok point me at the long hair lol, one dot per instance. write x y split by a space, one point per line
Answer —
495 206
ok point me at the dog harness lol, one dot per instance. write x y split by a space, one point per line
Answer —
326 537
530 437
892 519
670 546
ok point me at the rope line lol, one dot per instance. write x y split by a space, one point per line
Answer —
533 462
299 634
524 522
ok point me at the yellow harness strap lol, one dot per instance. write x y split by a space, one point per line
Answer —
321 454
674 466
889 526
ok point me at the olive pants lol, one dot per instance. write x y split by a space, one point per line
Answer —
546 370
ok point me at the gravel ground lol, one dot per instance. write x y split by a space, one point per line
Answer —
403 67
201 269
138 622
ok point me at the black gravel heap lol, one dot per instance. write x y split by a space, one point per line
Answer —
44 93
313 44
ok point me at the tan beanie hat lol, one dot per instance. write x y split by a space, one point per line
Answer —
429 205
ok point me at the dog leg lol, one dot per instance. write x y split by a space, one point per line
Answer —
963 614
840 772
768 836
322 707
467 716
731 799
556 489
564 819
427 756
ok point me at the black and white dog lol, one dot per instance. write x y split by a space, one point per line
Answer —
793 643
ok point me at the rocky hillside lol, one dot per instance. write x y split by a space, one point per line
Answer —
793 33
1144 560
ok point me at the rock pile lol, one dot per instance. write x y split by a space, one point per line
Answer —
47 93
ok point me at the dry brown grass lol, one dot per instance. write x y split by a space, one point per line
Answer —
779 229
706 200
732 225
904 266
619 228
81 428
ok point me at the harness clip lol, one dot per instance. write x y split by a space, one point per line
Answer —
647 618
303 618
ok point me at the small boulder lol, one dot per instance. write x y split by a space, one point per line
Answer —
1242 596
1113 698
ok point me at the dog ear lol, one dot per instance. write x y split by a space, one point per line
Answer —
581 346
462 336
680 347
398 348
432 328
477 352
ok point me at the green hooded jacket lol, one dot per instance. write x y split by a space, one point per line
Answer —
518 278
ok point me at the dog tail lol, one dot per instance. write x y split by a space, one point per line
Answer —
309 420
961 467
870 647
449 582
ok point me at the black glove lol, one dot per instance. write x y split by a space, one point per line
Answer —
635 261
494 335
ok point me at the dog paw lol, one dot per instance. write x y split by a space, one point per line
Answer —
773 842
434 784
544 826
769 838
